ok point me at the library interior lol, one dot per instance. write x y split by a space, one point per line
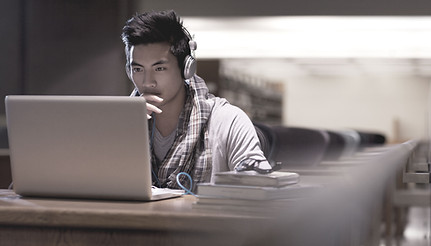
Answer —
339 93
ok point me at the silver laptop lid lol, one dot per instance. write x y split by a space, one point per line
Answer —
79 146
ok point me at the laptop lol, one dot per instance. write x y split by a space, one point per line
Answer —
90 147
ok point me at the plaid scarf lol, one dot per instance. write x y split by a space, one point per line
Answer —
190 152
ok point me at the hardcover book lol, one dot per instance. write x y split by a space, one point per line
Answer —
256 192
253 178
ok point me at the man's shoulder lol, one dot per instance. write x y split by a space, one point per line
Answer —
221 105
224 112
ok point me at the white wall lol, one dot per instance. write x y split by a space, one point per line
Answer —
393 105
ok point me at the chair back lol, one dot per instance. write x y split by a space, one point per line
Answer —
266 138
336 146
296 146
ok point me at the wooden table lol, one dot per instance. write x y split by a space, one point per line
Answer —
31 221
343 216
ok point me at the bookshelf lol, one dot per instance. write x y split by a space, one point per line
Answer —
261 99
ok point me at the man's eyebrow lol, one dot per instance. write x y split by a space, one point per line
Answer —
160 62
154 64
136 64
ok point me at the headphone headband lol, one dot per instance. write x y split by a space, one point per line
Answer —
189 68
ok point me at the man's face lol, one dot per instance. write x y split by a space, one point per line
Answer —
154 71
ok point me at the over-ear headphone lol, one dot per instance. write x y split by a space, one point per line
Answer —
189 68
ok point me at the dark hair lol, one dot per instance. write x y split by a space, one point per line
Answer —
155 27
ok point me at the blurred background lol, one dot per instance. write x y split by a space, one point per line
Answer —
363 65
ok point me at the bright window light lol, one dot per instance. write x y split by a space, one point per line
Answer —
318 36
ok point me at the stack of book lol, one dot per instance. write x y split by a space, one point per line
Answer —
249 189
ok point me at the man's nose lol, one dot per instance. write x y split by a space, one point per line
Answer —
149 80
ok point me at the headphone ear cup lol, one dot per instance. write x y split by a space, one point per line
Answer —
189 67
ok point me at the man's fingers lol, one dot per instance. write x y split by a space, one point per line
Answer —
153 98
151 108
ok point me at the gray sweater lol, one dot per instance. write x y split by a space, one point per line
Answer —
232 137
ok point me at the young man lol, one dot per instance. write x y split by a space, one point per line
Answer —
191 130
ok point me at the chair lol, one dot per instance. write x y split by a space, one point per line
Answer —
336 146
299 147
352 140
368 139
266 138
